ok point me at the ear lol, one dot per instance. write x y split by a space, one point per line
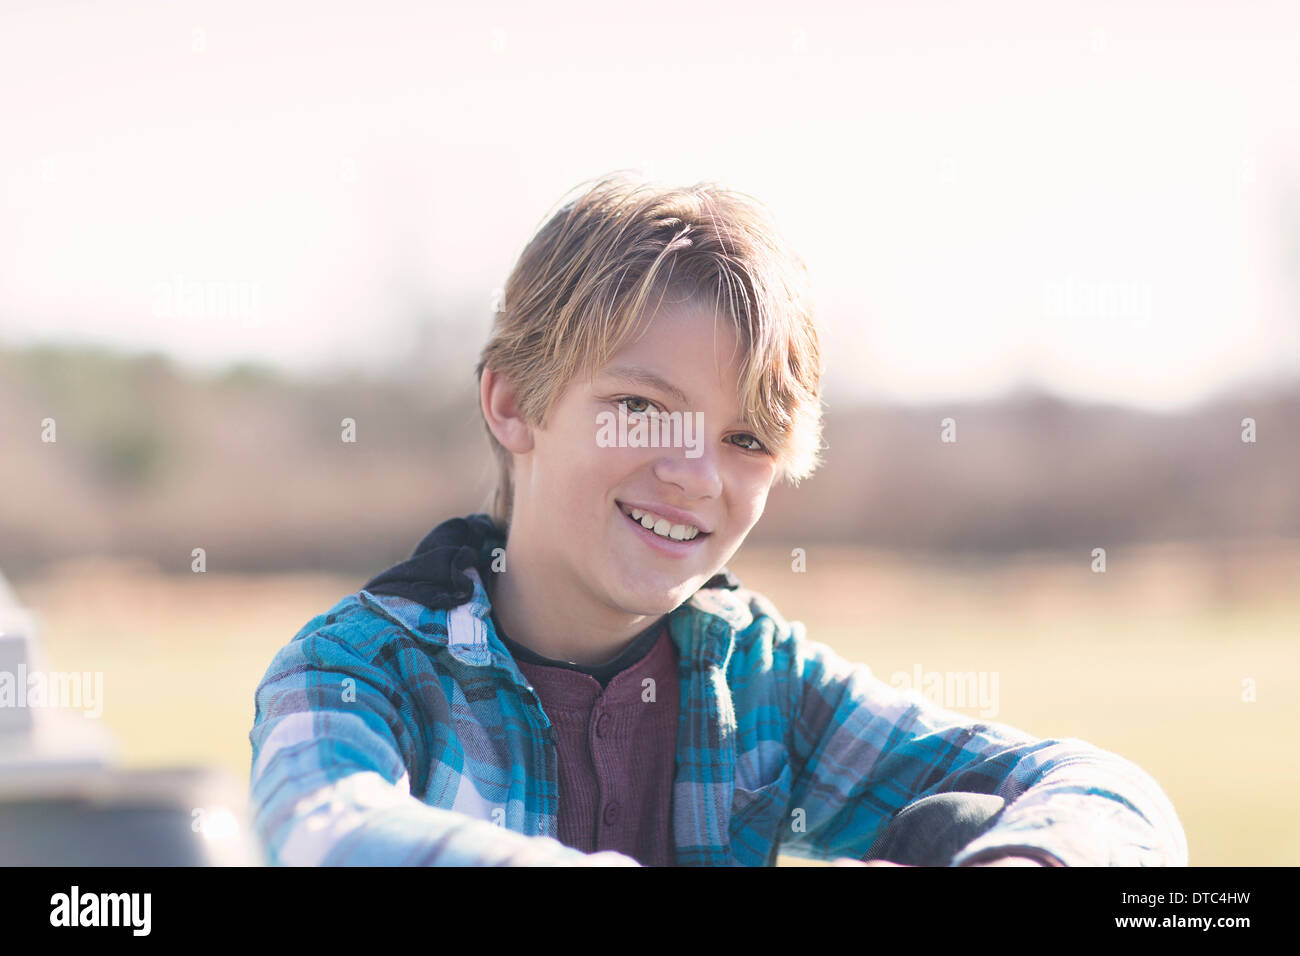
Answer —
500 401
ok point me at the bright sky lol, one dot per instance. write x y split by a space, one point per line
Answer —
1102 198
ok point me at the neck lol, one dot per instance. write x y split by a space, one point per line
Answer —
542 609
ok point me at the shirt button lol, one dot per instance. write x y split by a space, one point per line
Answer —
611 814
602 725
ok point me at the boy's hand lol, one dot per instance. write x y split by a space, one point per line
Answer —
1009 861
849 861
996 861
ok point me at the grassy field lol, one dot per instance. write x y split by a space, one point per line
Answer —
1147 659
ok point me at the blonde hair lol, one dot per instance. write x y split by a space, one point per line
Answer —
582 283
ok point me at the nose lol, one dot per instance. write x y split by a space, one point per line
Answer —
697 477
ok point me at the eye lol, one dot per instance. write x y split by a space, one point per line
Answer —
755 446
633 398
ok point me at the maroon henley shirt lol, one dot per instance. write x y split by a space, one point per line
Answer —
616 731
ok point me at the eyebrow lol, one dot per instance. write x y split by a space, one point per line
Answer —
643 376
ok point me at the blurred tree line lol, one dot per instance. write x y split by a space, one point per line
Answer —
151 461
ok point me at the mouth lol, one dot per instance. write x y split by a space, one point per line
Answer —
660 533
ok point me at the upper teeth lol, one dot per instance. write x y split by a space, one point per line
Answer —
662 526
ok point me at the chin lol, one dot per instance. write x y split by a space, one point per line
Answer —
653 601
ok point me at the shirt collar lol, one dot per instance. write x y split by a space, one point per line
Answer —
446 573
435 574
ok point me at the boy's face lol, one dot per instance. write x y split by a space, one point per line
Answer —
578 487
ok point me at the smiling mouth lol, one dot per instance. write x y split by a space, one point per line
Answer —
661 527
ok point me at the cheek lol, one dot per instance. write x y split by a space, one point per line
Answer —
753 510
566 456
587 483
612 468
748 488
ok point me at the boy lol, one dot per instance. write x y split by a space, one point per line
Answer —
577 678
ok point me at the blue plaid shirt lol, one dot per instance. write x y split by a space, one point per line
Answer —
394 732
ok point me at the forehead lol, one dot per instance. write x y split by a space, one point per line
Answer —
691 356
683 335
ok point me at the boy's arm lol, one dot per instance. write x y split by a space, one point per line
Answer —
862 750
329 781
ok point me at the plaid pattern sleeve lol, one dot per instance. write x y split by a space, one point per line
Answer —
861 750
334 739
391 733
